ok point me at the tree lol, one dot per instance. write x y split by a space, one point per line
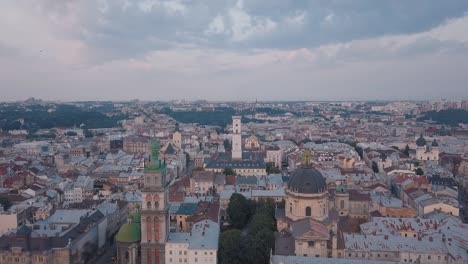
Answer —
230 247
87 133
187 159
71 133
238 211
227 145
261 220
406 150
271 168
5 203
229 171
259 246
359 151
419 171
375 167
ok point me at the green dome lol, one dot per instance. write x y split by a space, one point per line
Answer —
130 232
137 218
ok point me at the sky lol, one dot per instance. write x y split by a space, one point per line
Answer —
233 49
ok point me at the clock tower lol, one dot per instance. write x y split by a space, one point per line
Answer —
154 210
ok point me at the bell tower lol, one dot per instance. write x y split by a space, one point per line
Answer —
154 210
236 138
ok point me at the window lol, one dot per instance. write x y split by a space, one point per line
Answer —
311 243
341 204
170 252
428 257
148 204
308 211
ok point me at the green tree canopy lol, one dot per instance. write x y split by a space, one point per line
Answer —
230 248
359 151
375 167
271 168
419 171
229 171
238 211
227 145
406 150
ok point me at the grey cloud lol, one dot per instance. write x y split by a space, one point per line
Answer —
127 30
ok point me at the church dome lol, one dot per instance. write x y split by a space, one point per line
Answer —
307 181
434 143
421 142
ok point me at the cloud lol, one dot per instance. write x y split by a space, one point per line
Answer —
216 26
244 26
170 7
233 50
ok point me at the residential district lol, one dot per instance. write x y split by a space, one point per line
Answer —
240 182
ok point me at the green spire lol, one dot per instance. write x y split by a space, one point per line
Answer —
154 165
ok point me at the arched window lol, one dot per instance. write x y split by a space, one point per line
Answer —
148 228
156 228
148 204
156 205
308 211
127 255
290 207
341 204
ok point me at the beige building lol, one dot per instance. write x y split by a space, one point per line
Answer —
252 143
307 195
274 155
8 222
426 152
136 144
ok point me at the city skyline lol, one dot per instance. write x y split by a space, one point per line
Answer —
233 51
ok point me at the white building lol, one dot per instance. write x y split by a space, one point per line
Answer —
426 152
274 155
236 138
78 191
198 246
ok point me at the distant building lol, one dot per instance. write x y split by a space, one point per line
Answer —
426 152
136 144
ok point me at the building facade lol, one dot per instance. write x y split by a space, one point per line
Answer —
236 138
154 210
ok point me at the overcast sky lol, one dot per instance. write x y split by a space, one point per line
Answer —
233 50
